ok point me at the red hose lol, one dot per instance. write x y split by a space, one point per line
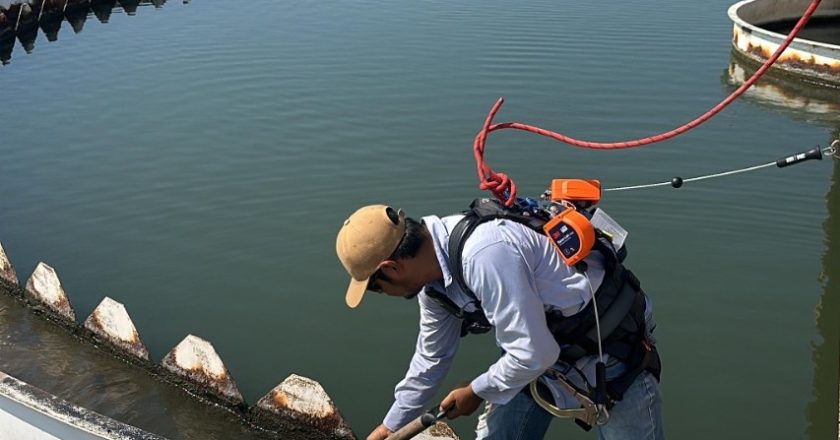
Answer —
505 190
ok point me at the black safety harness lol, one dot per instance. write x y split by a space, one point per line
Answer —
621 302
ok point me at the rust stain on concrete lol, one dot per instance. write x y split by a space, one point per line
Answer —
195 361
7 272
44 288
111 323
300 400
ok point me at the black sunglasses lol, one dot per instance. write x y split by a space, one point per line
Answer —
372 282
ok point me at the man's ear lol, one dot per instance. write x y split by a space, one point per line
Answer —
391 268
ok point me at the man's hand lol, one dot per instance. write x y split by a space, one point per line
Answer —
461 401
380 433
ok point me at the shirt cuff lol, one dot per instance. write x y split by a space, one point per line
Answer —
482 388
398 417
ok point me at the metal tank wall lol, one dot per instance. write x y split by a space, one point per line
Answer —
810 61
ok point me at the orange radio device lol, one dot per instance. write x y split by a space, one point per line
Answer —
569 229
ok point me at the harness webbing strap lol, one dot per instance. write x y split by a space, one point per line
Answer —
481 211
610 318
459 234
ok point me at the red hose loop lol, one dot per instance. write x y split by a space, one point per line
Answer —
497 183
504 188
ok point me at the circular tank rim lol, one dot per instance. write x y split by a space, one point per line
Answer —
733 15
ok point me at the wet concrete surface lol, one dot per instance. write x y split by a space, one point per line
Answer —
51 358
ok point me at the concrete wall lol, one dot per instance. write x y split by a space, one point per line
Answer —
810 61
28 413
298 404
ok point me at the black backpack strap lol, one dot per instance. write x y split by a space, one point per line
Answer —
481 210
457 238
471 322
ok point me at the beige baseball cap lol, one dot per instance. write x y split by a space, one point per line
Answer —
367 238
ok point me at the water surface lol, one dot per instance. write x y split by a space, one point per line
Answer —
194 162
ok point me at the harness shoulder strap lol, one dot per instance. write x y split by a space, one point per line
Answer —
481 210
471 322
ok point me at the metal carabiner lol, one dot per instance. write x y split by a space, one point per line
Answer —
589 412
603 415
834 149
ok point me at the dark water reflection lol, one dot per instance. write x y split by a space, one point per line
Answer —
822 412
806 102
24 27
781 93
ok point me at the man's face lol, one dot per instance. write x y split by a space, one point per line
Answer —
397 278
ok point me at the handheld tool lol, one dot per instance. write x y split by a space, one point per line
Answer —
418 425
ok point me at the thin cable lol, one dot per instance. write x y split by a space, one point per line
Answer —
828 151
728 173
504 189
694 179
603 414
597 320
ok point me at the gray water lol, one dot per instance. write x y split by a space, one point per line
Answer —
194 162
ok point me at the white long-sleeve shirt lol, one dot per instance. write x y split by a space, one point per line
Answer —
517 276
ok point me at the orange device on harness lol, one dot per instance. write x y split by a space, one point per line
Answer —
583 193
572 235
570 232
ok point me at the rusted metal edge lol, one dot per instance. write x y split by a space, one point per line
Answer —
300 400
804 60
77 417
784 71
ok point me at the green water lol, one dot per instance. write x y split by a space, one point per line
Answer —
194 162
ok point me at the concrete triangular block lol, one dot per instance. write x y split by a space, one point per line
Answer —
299 400
195 360
44 287
7 272
438 431
110 322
